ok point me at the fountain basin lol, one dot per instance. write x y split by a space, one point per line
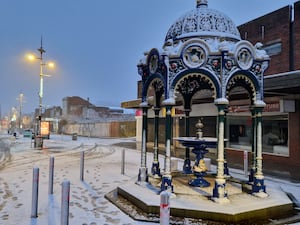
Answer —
192 142
199 146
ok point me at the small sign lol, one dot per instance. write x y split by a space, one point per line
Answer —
45 128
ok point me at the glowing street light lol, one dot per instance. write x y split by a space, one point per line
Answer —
32 57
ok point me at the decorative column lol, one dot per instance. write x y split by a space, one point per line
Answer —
187 169
143 171
258 187
226 169
253 146
166 182
219 191
155 170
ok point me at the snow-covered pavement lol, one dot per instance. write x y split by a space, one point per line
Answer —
87 203
102 173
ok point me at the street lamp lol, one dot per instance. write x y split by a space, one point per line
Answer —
21 100
31 57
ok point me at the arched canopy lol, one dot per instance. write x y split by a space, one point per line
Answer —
246 80
191 83
155 79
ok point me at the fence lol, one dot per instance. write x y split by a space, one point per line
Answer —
102 129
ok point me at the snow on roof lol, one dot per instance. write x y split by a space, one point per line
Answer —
203 21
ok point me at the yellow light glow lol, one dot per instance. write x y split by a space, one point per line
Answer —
30 57
51 64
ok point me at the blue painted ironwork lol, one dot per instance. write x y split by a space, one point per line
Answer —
167 177
193 59
199 149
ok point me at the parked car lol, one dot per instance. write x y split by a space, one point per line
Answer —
28 133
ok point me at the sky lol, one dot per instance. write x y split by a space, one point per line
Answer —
95 44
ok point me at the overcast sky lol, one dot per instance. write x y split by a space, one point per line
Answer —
96 44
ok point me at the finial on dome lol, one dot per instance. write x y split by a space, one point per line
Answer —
202 3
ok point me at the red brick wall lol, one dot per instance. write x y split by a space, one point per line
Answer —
294 135
297 35
276 29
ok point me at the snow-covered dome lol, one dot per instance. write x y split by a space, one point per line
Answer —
205 23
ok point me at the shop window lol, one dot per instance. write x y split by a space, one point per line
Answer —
275 135
239 132
274 138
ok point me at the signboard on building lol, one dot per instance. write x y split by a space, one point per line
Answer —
276 106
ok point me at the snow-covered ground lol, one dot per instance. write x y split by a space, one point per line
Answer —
102 174
87 203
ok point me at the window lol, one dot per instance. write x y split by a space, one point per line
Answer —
274 136
238 131
273 49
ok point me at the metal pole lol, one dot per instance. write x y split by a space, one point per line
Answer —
51 175
39 139
35 192
65 198
42 51
123 162
164 208
81 165
246 162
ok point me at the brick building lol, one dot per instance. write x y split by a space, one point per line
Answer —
77 108
74 106
279 31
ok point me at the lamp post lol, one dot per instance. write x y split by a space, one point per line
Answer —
42 51
38 141
21 100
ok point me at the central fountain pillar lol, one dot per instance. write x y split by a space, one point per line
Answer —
199 146
219 191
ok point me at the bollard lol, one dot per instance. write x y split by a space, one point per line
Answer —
65 198
123 162
35 192
164 217
81 165
246 163
51 175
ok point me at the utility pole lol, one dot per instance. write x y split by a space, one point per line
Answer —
38 141
21 100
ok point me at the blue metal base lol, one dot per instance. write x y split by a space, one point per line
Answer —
226 170
258 186
143 175
216 193
199 181
166 183
187 169
155 170
251 175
